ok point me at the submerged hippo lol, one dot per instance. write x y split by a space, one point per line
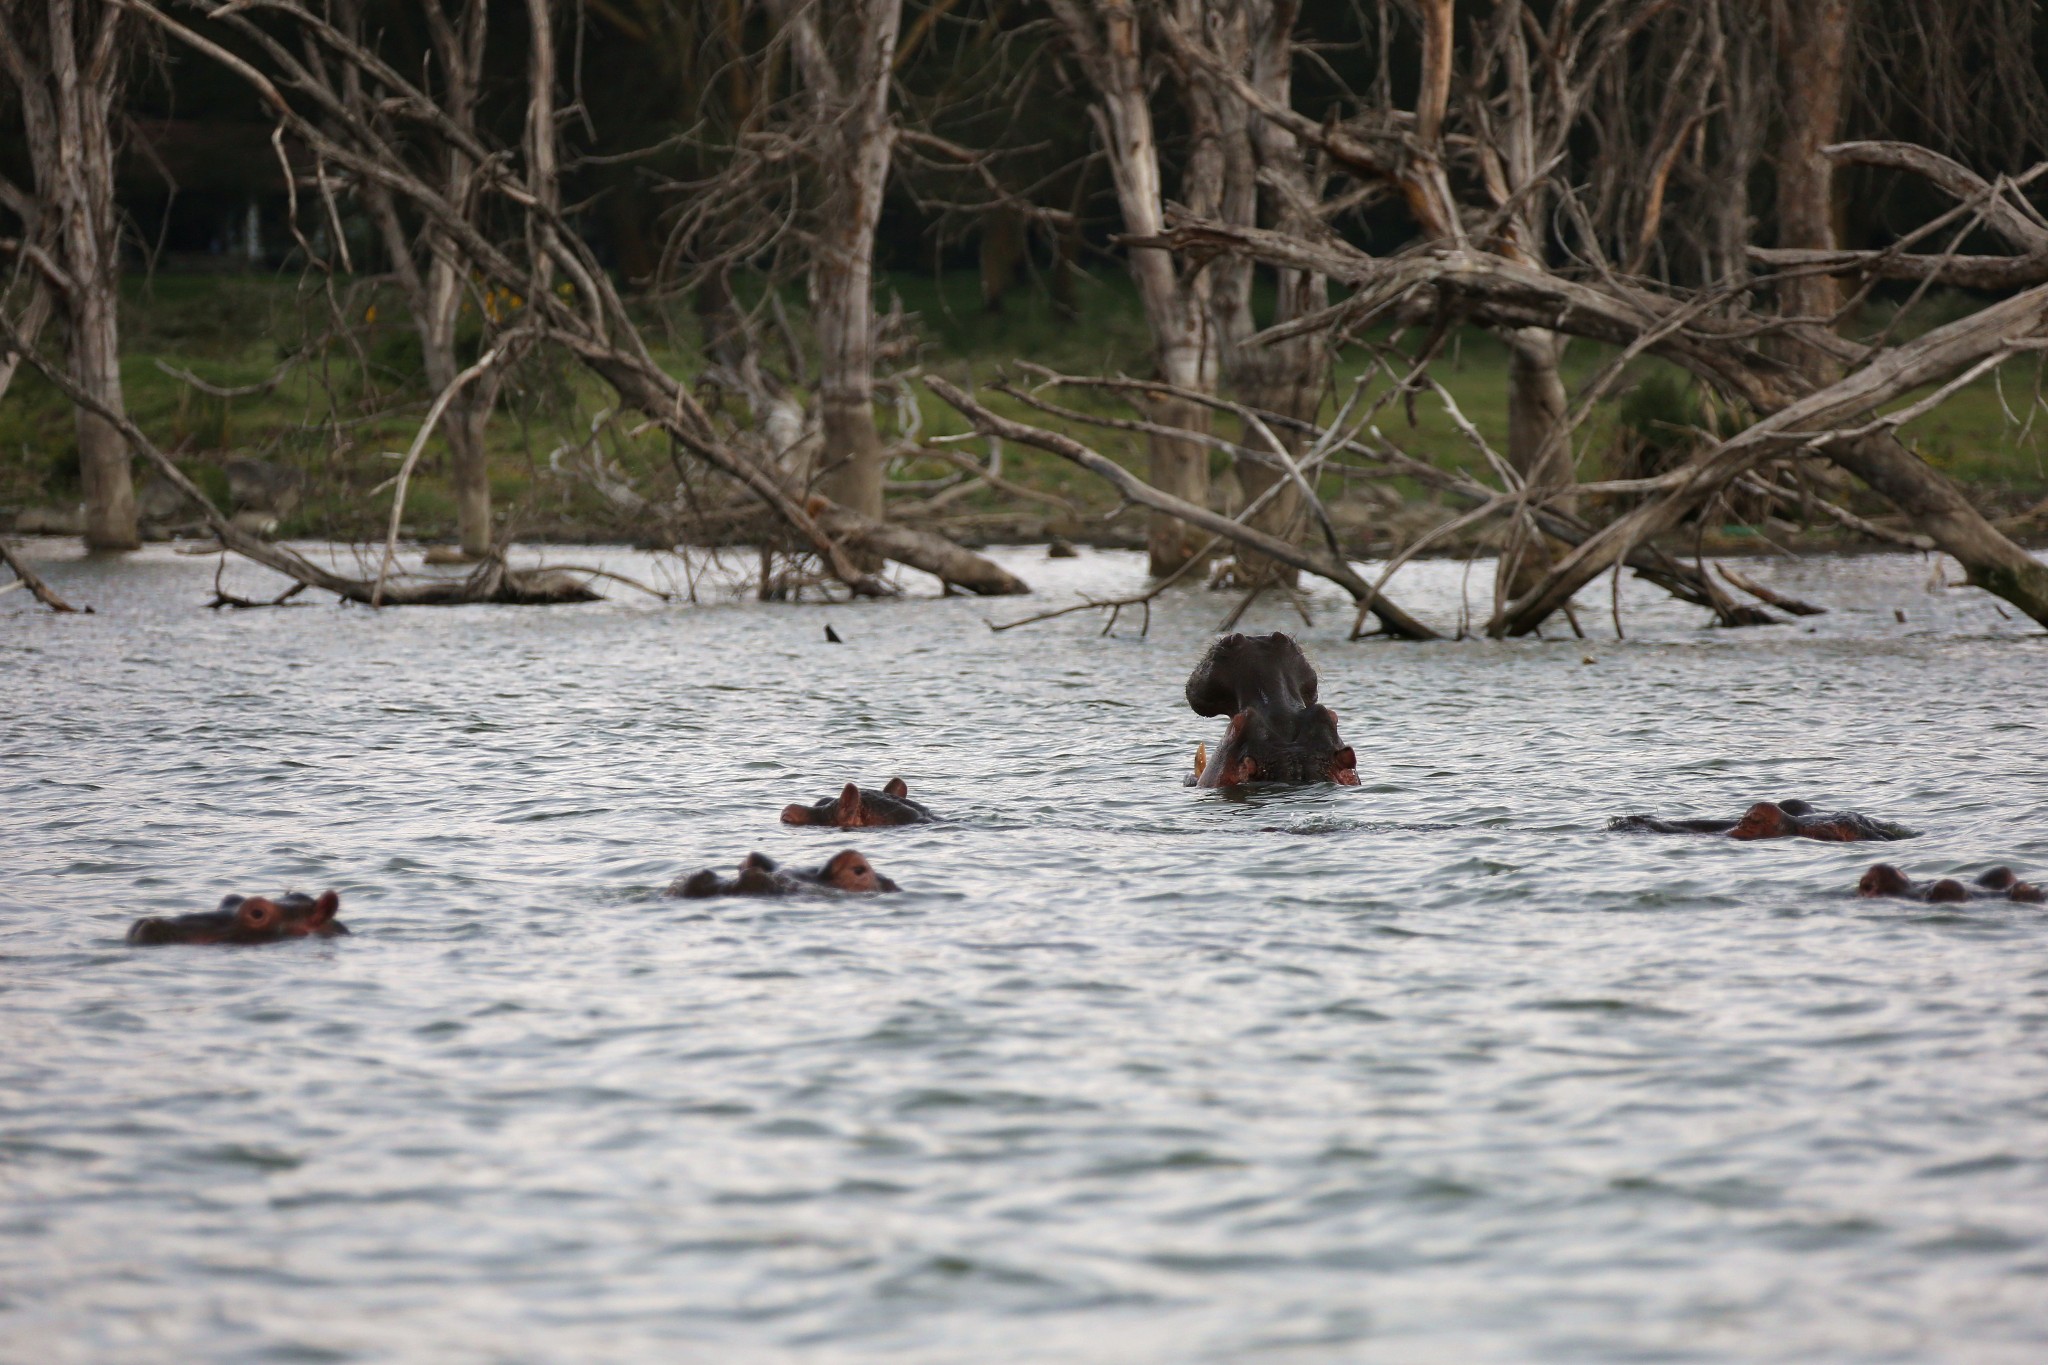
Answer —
1773 820
760 876
1277 732
247 919
857 807
2000 883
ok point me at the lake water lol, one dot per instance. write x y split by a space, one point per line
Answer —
1433 1069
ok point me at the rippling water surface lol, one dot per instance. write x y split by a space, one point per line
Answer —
1431 1069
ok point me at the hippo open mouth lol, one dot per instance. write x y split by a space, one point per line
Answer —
1277 732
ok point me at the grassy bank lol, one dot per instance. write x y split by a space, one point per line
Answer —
346 404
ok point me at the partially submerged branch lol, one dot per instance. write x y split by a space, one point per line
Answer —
1722 351
1323 564
25 577
494 581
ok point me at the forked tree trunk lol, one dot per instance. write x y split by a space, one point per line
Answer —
1539 444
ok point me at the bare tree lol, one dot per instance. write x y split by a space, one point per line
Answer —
1813 39
1122 65
303 73
65 61
1267 175
1486 257
844 53
426 264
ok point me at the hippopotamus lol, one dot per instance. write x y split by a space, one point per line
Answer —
2000 882
1773 820
858 807
759 875
1277 732
247 919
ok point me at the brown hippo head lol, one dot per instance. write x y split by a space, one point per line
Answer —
1277 731
247 919
856 807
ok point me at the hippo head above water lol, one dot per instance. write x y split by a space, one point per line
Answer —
857 807
761 875
247 919
1277 732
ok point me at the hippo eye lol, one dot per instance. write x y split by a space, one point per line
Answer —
257 913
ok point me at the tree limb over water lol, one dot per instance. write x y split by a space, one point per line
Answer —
1324 563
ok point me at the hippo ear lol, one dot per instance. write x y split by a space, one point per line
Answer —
849 804
257 914
324 909
757 862
897 788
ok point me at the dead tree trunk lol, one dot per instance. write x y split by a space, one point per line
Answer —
845 64
65 61
429 269
1109 45
1286 376
1539 438
1813 37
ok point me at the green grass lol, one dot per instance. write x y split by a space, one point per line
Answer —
343 412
